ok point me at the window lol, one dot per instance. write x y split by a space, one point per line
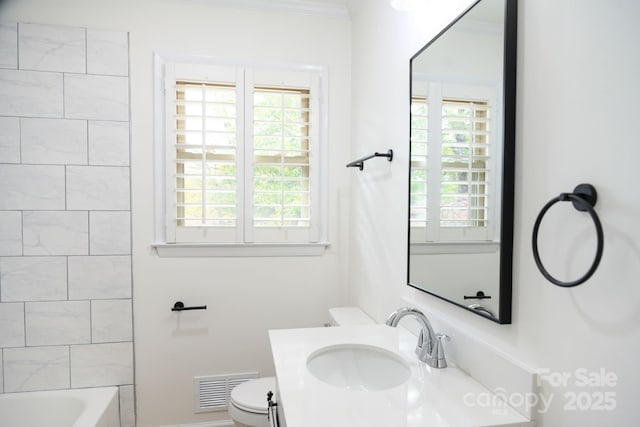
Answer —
242 155
451 167
281 138
205 154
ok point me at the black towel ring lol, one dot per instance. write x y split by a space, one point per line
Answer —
584 198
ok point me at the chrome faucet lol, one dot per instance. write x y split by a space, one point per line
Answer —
483 310
429 348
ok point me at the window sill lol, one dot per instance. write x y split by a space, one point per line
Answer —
454 248
187 250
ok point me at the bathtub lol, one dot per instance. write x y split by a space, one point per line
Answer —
88 407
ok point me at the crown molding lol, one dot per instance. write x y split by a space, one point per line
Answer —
305 7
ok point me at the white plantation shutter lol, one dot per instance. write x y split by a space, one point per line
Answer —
284 128
451 158
464 163
206 154
418 214
240 162
203 107
281 196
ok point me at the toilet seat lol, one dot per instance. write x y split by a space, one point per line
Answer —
248 402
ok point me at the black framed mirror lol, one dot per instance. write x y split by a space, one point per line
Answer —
462 161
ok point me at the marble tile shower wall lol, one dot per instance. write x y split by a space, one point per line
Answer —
65 238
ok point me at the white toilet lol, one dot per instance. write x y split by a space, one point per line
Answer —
248 403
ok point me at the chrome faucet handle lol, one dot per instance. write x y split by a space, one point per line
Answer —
438 358
443 337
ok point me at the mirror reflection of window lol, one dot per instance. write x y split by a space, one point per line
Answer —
461 148
418 190
462 160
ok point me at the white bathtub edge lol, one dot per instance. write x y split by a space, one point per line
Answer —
80 407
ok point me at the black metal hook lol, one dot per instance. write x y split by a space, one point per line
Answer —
584 198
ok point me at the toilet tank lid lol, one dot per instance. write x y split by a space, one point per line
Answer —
252 395
342 316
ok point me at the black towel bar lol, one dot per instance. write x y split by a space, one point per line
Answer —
360 162
179 306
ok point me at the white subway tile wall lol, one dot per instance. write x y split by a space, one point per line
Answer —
8 45
97 188
53 141
52 48
96 365
36 368
58 322
55 232
127 408
9 139
33 278
31 94
32 187
109 233
111 321
99 277
65 241
12 321
107 53
10 233
96 97
108 143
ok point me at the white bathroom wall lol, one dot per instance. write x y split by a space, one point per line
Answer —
65 239
577 95
245 296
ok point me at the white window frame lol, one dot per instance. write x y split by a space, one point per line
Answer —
163 245
436 89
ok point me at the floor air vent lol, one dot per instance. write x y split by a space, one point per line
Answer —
212 393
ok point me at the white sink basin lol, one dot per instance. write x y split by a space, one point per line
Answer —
370 376
358 367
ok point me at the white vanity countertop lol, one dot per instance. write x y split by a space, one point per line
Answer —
431 397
